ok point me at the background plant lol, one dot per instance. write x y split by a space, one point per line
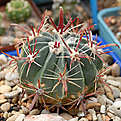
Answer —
18 10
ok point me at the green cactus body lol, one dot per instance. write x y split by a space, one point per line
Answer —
49 64
18 10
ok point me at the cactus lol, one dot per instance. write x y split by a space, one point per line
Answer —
60 67
18 10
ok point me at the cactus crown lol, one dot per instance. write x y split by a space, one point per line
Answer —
62 66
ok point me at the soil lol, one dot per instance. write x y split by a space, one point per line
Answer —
114 23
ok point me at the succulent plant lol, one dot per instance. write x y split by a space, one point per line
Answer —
18 10
2 29
59 67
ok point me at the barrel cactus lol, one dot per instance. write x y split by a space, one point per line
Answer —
18 10
59 67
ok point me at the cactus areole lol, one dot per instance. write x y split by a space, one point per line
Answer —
59 66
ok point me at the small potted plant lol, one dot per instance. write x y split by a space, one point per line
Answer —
18 10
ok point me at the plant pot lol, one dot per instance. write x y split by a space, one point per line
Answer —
106 33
